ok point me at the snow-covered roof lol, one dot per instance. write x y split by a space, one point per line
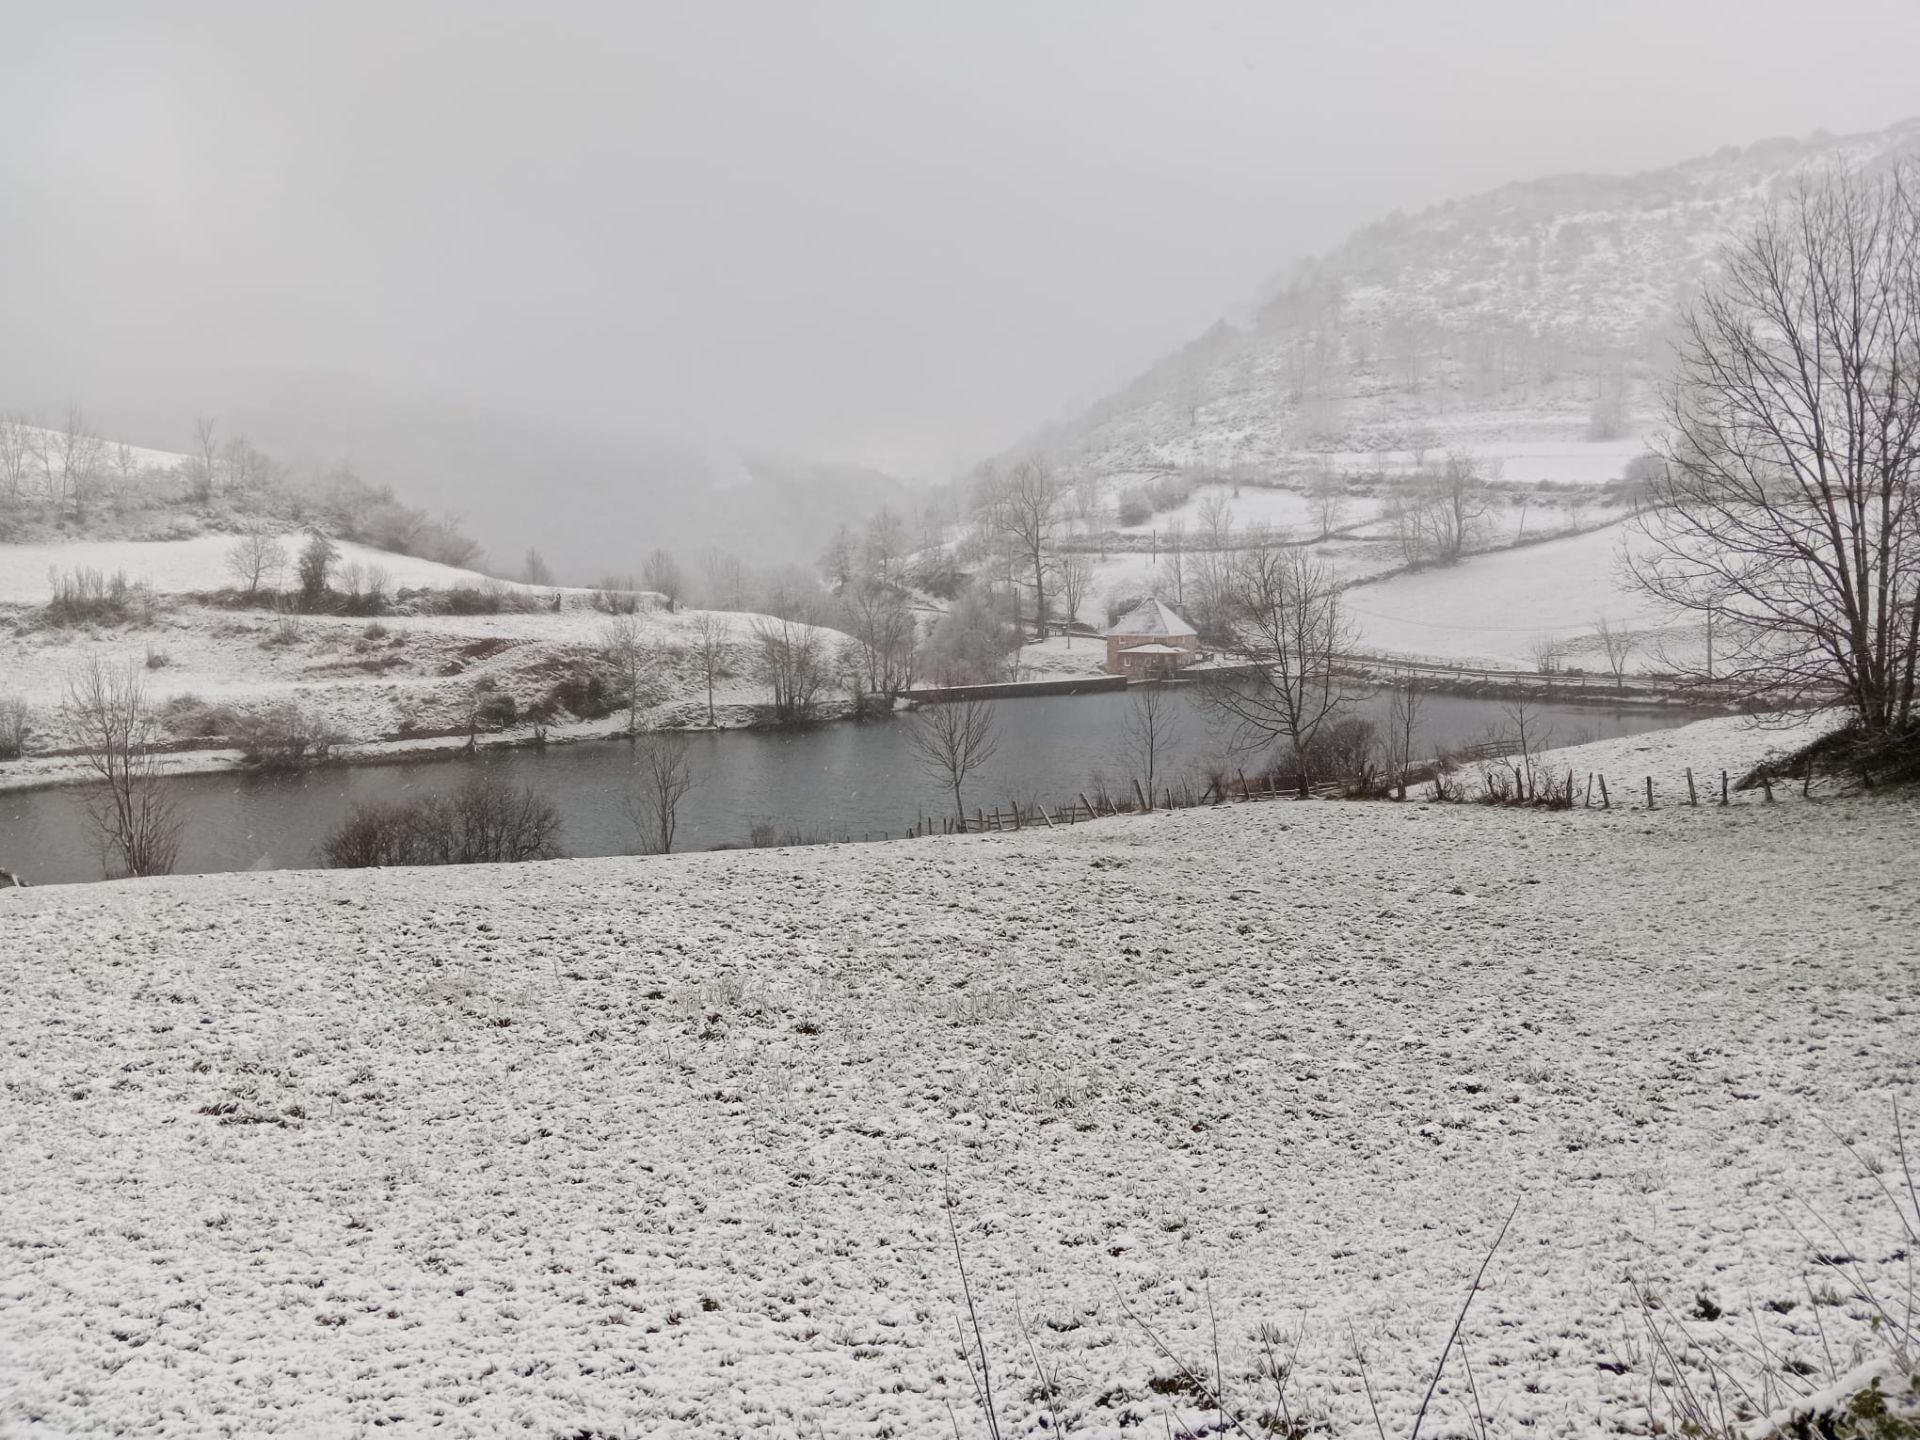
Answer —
1152 650
1151 617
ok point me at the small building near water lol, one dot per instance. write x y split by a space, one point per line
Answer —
1151 642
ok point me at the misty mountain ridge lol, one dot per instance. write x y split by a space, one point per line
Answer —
1539 310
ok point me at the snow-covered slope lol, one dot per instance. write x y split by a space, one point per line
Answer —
668 1147
1510 316
200 564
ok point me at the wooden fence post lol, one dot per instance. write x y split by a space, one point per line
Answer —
1766 784
1605 803
1145 804
1245 793
1723 787
1090 811
1589 804
1692 798
1649 792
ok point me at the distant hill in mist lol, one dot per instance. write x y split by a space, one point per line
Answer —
593 503
1542 309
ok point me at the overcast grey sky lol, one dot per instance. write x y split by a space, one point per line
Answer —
896 232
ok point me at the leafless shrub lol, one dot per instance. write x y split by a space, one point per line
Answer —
86 595
282 736
16 725
488 820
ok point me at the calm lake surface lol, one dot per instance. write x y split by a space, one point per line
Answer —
841 779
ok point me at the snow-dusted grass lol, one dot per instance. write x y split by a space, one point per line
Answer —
660 1147
200 564
1490 608
1525 460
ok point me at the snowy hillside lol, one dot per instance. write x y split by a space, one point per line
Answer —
199 564
1528 314
668 1147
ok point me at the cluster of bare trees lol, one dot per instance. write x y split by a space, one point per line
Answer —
793 660
875 554
1024 508
61 464
1437 512
974 641
1787 509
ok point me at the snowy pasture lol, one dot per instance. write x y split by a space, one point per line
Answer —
1490 608
665 1147
200 564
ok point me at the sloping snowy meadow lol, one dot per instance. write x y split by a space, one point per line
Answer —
663 1147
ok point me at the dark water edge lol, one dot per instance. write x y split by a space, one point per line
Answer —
841 781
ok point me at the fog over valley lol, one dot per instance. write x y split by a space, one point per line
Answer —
498 256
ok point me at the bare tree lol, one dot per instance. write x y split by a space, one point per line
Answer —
1616 644
535 568
257 558
1787 507
1326 499
623 645
1455 501
19 452
1075 573
316 563
1024 509
952 741
662 572
726 580
16 724
1288 631
70 460
1546 651
884 545
1152 731
1403 728
118 735
711 637
204 463
1177 560
663 774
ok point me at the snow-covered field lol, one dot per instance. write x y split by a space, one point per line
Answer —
663 1147
200 564
1490 609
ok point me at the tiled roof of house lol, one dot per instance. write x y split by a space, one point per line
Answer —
1151 617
